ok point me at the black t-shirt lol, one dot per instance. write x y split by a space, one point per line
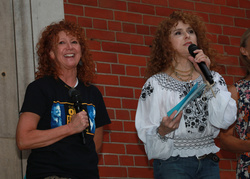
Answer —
69 157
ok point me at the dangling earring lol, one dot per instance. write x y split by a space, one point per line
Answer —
80 62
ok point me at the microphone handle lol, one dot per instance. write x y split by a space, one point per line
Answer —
206 72
78 109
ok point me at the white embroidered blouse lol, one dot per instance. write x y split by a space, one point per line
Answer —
201 119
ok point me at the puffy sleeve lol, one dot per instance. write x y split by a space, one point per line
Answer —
222 107
148 116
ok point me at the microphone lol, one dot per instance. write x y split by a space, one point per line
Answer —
206 72
76 98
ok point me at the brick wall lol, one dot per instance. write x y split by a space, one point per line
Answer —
120 33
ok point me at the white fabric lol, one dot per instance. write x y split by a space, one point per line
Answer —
201 120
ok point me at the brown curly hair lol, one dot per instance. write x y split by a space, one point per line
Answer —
162 51
48 38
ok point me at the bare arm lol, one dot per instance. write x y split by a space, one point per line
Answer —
98 138
227 139
29 137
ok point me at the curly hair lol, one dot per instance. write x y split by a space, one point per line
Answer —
243 43
47 40
162 52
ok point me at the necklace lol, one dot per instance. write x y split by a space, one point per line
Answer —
187 77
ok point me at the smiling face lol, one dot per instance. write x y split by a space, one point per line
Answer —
66 51
181 36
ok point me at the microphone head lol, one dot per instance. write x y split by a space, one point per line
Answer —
191 49
75 95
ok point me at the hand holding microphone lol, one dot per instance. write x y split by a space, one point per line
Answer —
80 120
206 72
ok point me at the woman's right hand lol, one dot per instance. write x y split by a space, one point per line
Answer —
79 122
169 124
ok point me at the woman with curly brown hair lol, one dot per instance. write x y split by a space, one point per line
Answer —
63 115
182 145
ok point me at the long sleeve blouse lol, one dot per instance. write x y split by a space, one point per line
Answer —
201 120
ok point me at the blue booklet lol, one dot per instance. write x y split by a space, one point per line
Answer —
193 93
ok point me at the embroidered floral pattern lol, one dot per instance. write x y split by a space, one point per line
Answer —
147 90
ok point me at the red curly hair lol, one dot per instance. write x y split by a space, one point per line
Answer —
162 51
47 66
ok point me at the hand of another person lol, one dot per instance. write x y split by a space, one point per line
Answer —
79 122
169 124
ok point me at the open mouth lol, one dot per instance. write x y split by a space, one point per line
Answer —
69 55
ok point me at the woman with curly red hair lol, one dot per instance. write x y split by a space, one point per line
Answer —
182 145
63 115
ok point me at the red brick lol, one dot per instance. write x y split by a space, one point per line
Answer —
129 103
235 41
128 17
73 9
119 92
219 19
85 22
155 2
118 69
235 31
213 28
163 11
204 7
104 57
113 4
111 159
181 4
112 102
148 40
135 149
129 126
141 8
126 160
129 38
220 2
142 29
227 175
236 12
133 114
233 3
132 71
114 26
85 2
131 81
244 4
122 114
225 164
94 45
98 13
106 79
135 172
71 18
228 60
123 137
106 171
232 50
100 24
140 50
116 47
103 68
223 40
152 20
116 126
141 161
238 71
113 148
100 34
242 22
128 27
